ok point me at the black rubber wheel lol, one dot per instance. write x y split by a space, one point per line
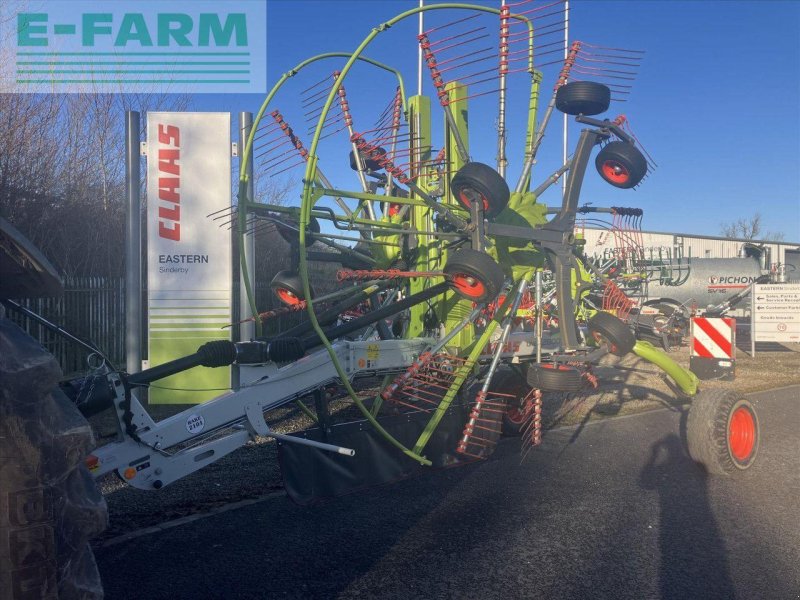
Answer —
513 384
554 378
621 164
371 164
291 234
477 181
474 275
722 431
288 287
49 505
583 98
608 329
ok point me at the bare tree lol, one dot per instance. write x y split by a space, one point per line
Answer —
749 229
62 173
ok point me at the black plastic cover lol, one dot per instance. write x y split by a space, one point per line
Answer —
311 475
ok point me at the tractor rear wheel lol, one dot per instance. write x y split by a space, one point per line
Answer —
722 431
49 505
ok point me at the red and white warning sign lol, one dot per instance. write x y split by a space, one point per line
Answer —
713 348
713 338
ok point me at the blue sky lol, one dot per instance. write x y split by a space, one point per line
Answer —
716 102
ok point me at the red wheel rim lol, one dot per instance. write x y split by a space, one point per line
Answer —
394 209
462 196
742 433
615 172
287 296
468 286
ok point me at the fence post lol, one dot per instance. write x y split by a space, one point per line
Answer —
245 331
133 252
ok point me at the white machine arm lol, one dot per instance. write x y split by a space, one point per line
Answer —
151 455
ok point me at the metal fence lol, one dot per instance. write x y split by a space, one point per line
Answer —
92 308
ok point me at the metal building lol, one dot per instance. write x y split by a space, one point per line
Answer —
778 255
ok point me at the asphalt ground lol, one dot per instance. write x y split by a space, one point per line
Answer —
611 509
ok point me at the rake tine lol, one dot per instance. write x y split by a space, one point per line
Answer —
449 60
455 36
451 46
451 23
474 61
301 162
319 83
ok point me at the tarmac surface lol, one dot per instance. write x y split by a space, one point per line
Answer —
613 509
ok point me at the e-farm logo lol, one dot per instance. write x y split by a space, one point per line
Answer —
169 45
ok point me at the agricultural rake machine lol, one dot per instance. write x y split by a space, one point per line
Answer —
444 346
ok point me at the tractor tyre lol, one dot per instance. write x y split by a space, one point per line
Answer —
474 275
513 384
288 287
583 98
554 378
477 181
621 164
49 505
290 234
606 328
722 431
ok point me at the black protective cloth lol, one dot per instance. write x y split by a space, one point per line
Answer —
311 475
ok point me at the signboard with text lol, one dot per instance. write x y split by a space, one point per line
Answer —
189 274
776 312
173 46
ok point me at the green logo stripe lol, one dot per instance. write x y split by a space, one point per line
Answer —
185 335
181 326
182 316
182 308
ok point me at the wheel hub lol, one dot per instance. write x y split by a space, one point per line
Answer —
615 171
468 285
741 434
287 296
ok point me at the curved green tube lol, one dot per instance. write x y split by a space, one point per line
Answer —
685 379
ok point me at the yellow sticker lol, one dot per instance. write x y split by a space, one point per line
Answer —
373 351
